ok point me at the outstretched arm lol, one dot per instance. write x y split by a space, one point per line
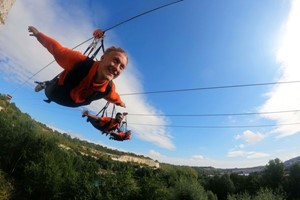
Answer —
86 113
114 97
65 57
33 31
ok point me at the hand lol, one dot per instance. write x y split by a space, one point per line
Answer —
122 104
98 33
109 132
33 31
128 133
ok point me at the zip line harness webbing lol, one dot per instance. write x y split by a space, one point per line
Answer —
103 111
124 123
93 45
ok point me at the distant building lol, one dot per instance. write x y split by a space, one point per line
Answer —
5 6
8 97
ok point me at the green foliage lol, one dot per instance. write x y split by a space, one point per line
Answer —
152 184
188 189
174 173
262 194
118 186
5 187
268 194
242 196
293 183
38 163
273 174
211 196
253 183
221 186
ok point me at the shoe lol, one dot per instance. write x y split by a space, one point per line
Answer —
39 87
85 113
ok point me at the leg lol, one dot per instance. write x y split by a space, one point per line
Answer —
94 122
40 86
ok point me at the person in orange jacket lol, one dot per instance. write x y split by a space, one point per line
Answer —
108 125
83 80
120 136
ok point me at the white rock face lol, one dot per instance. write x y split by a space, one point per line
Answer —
5 6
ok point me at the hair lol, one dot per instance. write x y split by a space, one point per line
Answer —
117 49
119 114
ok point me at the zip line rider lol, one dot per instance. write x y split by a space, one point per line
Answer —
108 125
83 80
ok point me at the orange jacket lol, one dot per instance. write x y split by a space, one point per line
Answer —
113 125
68 58
121 136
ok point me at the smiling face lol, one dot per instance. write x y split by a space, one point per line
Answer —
119 118
111 66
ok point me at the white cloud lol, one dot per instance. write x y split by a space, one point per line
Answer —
236 154
245 154
254 159
154 153
257 155
198 157
22 56
250 137
287 96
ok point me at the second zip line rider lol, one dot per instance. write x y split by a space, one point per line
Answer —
83 80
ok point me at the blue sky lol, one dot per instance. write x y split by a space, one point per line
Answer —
191 44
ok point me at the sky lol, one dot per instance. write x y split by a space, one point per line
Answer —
195 87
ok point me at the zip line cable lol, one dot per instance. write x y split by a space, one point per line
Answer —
198 115
211 88
110 28
217 127
202 114
144 13
217 114
26 81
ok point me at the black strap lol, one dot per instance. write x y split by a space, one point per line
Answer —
61 93
100 47
103 109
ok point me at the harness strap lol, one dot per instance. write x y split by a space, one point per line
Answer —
103 109
100 47
61 93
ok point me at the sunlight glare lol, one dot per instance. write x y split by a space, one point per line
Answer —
287 97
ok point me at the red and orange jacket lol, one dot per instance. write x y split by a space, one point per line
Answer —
68 58
109 124
121 136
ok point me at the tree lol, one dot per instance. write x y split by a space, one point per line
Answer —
240 196
239 182
188 189
5 187
222 186
253 182
273 174
268 194
151 184
293 183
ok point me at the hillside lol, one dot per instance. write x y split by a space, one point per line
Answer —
96 151
85 148
39 163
